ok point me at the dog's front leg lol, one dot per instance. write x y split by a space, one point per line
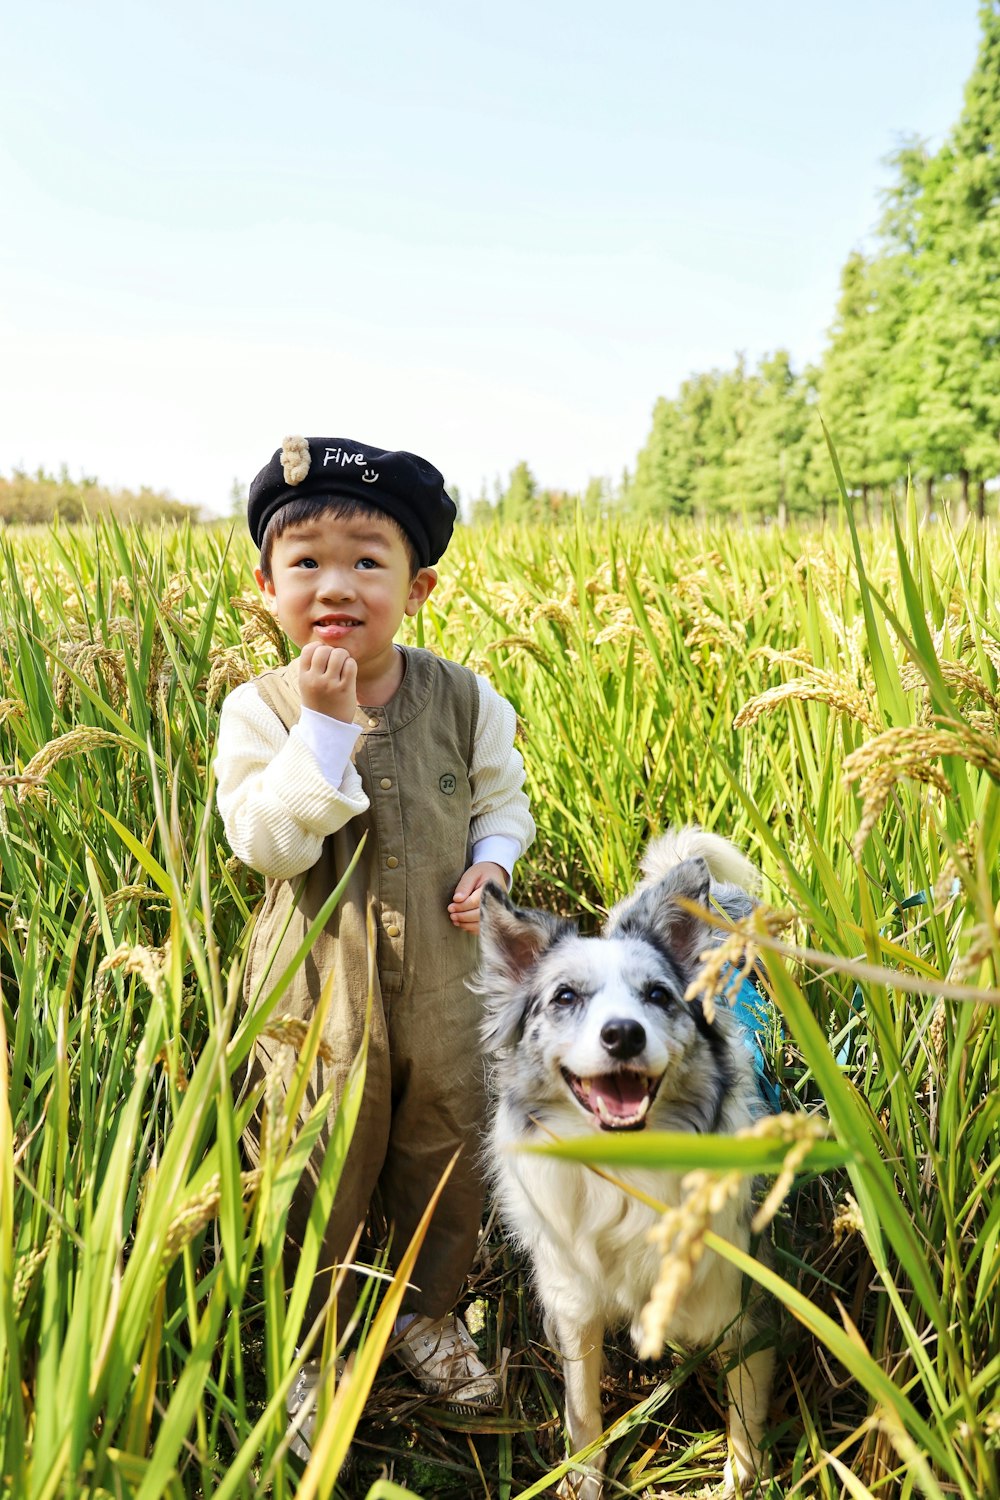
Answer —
749 1387
581 1347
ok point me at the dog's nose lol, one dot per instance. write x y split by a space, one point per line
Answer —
623 1039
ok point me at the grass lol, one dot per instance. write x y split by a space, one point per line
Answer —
828 699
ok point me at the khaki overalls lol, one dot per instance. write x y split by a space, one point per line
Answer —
424 1090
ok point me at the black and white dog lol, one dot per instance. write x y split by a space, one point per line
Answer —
594 1034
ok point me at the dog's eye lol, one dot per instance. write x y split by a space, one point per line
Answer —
658 994
565 996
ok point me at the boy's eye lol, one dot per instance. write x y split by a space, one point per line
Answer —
305 562
366 562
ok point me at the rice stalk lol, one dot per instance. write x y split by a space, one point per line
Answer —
628 654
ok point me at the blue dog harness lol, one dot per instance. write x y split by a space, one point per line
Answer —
754 1012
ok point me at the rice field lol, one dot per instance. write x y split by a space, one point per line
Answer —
828 699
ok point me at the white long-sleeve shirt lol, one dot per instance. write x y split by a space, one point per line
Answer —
281 793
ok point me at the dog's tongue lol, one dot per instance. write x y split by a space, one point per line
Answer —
620 1093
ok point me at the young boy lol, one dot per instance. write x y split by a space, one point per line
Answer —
359 735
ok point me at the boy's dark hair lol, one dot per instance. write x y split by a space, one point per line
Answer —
338 507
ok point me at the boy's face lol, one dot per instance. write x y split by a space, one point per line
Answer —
344 581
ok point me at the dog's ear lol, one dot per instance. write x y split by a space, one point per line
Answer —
511 941
655 911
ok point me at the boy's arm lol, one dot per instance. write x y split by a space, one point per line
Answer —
501 826
276 802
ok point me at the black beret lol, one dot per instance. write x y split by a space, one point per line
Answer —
406 487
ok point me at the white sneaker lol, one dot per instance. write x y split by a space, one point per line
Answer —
442 1354
302 1396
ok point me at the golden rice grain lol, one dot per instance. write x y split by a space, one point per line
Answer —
515 643
124 627
725 965
83 659
711 629
177 589
292 1031
937 1032
122 897
800 1133
983 941
175 1069
956 674
199 1211
680 1238
847 1220
908 750
79 741
261 626
840 693
149 963
797 656
26 1266
556 611
616 630
229 669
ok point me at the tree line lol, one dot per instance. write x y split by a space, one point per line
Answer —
31 499
909 383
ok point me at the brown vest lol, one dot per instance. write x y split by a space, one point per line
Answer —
413 758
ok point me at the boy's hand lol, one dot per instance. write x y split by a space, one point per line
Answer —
463 908
328 681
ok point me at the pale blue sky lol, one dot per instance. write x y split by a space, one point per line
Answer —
481 232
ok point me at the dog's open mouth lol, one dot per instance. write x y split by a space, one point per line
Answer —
619 1101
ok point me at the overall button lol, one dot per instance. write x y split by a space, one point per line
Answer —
393 931
392 862
373 723
385 783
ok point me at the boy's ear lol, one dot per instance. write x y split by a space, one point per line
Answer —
266 586
424 582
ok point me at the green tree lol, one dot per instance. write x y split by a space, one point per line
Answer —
905 278
852 369
665 464
899 442
595 499
954 331
720 404
237 498
518 501
770 461
685 466
481 509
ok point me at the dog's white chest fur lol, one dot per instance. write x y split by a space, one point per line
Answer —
591 1248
